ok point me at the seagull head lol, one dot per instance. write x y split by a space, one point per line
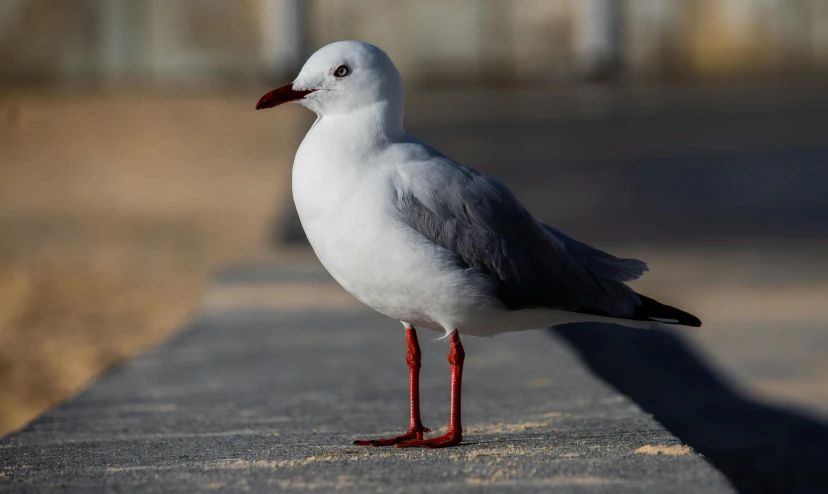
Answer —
341 78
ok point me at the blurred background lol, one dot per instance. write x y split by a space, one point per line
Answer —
688 133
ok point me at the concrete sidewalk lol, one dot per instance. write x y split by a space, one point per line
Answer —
267 398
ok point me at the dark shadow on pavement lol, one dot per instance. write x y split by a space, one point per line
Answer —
760 448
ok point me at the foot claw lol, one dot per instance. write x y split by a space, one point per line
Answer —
411 435
444 441
365 443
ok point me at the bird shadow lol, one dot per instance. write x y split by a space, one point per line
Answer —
759 447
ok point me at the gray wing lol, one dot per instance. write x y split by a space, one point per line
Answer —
533 265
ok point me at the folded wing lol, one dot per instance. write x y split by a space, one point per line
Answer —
533 265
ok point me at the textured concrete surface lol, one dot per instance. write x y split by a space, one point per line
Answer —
270 399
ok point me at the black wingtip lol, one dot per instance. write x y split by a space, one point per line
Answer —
651 310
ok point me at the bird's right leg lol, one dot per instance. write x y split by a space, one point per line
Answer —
415 428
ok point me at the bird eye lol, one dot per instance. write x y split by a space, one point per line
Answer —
342 71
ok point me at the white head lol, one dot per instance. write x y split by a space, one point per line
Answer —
342 78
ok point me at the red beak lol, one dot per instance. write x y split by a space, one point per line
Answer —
284 94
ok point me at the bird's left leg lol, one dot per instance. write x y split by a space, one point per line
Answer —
455 429
415 428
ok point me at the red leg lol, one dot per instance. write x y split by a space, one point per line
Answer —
455 430
415 428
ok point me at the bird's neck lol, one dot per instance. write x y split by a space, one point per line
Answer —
373 125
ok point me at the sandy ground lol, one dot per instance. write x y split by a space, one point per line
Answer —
113 212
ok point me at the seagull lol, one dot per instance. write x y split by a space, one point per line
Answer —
429 242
